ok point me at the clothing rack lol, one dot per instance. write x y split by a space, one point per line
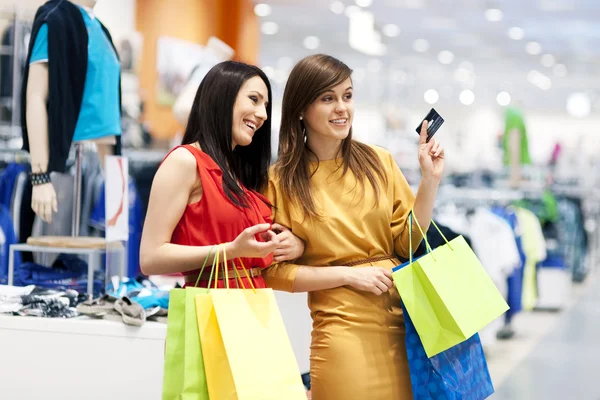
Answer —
144 157
14 156
478 196
13 56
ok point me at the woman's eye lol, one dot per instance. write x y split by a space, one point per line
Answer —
254 99
328 98
349 96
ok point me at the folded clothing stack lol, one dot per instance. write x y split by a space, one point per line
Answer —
68 272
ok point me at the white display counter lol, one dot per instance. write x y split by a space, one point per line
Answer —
80 358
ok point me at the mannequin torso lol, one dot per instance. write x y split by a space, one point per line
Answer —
97 113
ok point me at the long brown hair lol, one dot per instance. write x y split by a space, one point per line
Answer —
312 76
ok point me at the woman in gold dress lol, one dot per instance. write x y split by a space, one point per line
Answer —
350 203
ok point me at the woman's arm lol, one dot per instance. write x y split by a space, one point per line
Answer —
302 278
431 159
176 180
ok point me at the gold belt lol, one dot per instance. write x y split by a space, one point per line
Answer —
252 272
370 260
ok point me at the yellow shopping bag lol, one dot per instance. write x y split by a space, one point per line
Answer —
447 293
246 349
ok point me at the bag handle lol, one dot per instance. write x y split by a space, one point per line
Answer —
245 273
216 264
204 265
236 272
427 245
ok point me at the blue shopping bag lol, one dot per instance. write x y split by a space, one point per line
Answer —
459 373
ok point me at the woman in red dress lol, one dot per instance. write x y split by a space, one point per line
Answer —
206 191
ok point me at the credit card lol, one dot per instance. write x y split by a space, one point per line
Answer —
434 121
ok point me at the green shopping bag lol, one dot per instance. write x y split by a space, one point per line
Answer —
184 377
447 293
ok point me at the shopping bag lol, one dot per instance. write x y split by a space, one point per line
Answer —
184 376
448 293
247 352
459 373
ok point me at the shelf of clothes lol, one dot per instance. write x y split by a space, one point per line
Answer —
132 301
18 222
533 249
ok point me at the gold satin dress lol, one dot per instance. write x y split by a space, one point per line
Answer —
357 349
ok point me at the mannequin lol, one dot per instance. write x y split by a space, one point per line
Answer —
71 93
215 51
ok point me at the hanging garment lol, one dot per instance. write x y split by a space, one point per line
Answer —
534 247
7 237
515 280
495 245
8 178
97 219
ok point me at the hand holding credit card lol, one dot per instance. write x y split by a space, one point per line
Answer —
434 121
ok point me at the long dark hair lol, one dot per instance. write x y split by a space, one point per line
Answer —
312 76
210 124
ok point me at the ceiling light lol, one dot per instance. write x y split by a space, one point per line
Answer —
516 33
540 80
467 97
311 42
421 45
262 10
362 35
391 30
431 96
445 57
560 70
493 15
579 105
533 48
503 99
350 10
337 7
548 60
364 3
269 28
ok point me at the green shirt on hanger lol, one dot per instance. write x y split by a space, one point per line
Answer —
514 121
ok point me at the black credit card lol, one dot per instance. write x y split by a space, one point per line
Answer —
434 121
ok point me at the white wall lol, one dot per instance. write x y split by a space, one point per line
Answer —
118 16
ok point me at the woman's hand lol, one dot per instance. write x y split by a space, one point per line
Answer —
246 244
431 156
290 247
376 280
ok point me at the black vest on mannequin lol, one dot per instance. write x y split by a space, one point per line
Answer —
67 66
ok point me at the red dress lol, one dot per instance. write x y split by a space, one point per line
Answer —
215 219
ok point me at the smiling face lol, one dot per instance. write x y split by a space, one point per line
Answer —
330 115
249 111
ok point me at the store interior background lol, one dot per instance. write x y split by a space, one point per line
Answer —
468 59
